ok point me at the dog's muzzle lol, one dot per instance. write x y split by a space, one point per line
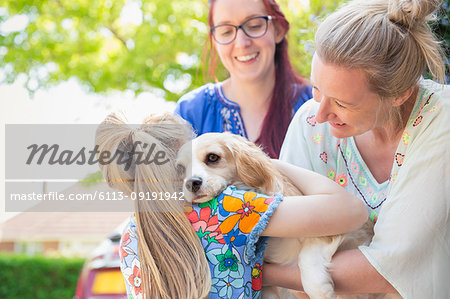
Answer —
194 184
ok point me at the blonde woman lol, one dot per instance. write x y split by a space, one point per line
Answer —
161 254
381 132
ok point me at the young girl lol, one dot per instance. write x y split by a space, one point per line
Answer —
166 253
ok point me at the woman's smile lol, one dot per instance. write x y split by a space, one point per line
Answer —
247 58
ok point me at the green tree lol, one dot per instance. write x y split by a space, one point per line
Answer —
155 45
442 29
304 21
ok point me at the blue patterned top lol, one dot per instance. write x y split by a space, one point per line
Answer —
229 227
208 110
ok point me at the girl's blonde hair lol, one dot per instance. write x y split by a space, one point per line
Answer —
172 259
389 40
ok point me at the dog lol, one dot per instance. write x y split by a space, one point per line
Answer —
213 161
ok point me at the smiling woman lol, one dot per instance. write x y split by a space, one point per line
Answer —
262 92
381 131
346 102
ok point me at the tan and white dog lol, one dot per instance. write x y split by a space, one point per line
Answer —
213 161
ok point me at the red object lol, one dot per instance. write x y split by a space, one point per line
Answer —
100 276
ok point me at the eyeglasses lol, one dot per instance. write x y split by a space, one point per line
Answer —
254 27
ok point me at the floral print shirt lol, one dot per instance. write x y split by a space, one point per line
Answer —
228 227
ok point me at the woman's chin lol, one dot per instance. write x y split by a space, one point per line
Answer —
340 131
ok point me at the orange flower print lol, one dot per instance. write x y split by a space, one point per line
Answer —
342 180
187 209
135 280
123 244
247 212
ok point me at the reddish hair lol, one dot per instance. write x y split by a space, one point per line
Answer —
288 85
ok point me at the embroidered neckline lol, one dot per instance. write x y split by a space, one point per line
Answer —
355 185
229 103
231 113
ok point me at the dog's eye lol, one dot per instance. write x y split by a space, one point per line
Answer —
181 170
212 158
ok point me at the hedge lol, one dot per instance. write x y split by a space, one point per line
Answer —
38 277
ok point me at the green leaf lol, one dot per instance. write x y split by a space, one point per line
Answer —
159 49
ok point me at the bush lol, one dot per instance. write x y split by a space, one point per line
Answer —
442 30
38 277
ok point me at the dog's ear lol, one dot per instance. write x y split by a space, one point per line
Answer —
253 166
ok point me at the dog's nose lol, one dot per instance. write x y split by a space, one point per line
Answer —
194 184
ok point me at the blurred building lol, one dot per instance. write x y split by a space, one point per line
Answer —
60 233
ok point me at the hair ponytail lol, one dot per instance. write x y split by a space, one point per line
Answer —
172 259
409 12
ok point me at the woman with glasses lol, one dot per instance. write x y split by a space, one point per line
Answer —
262 92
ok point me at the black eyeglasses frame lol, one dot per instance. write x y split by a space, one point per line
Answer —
267 18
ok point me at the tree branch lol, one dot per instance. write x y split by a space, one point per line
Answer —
117 35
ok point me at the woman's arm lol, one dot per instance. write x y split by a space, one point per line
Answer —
351 272
325 208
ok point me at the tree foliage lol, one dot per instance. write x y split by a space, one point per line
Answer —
442 29
89 40
158 48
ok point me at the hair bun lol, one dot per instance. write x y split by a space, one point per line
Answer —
409 12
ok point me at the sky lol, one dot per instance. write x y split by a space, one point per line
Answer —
67 103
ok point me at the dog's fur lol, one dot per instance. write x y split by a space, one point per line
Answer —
213 161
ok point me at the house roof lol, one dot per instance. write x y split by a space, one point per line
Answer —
95 223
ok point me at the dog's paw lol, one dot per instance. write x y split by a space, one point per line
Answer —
322 291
